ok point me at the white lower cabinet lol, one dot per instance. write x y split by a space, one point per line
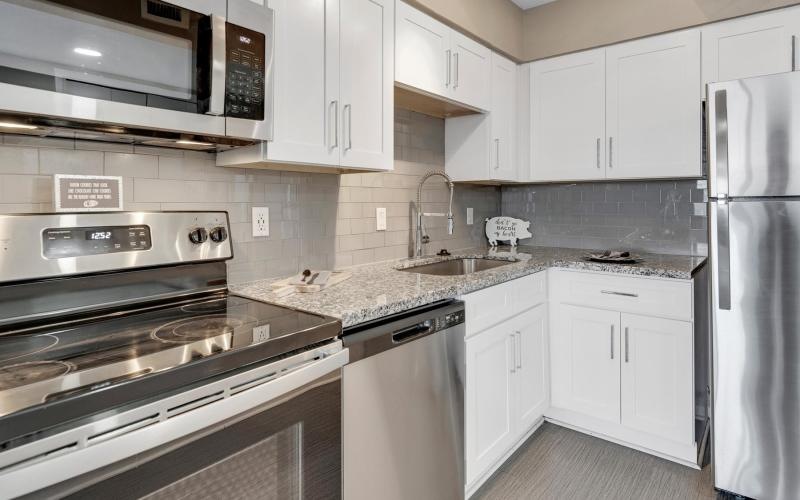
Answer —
620 374
584 355
657 387
507 377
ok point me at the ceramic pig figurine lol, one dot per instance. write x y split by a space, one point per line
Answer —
507 229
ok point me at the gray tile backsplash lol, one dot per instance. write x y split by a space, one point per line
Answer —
316 220
657 216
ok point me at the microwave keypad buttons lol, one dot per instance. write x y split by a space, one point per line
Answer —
244 93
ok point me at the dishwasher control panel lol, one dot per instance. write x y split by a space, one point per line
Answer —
449 320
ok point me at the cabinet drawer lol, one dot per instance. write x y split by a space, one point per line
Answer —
648 296
496 304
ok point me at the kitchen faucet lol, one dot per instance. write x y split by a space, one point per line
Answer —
424 238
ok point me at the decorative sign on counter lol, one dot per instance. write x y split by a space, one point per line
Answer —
507 229
87 193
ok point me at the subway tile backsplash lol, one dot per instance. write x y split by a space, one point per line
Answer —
655 216
316 220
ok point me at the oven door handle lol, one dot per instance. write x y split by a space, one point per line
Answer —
216 105
66 464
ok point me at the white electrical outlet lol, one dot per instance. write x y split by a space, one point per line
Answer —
470 216
380 217
260 221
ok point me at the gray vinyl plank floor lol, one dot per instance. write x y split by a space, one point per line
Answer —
559 463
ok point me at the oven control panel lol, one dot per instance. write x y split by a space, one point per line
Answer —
77 241
244 79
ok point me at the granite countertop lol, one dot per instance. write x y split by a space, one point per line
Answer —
380 289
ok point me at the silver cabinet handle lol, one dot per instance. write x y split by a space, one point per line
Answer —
610 152
612 341
626 344
598 152
347 111
448 62
624 294
497 152
513 352
216 105
794 54
335 115
519 349
455 77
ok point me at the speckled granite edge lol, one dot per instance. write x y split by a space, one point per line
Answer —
381 289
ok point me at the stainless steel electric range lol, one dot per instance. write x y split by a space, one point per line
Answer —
127 370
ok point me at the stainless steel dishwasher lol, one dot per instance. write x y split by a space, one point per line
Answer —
403 406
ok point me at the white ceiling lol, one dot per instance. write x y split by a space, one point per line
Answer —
527 4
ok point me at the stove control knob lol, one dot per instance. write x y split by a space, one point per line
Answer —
198 235
219 234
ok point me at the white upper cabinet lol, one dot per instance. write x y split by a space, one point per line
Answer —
481 147
333 96
654 107
436 59
367 83
470 71
756 45
584 356
657 383
567 96
306 83
422 51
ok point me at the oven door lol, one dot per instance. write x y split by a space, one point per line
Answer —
279 439
140 64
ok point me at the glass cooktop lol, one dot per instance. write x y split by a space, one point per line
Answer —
58 363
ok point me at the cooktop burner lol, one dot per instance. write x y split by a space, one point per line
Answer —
199 328
126 346
30 372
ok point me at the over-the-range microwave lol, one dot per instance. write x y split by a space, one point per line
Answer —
188 73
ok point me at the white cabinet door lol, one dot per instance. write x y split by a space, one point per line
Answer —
568 117
584 360
502 114
654 107
422 51
489 399
756 45
657 383
531 382
367 83
471 72
306 85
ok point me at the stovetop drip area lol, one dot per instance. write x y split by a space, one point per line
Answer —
90 356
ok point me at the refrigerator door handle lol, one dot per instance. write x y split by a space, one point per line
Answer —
721 136
723 256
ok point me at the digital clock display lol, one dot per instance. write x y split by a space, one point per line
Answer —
98 235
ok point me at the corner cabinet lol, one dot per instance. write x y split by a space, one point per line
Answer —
482 147
507 374
762 44
437 60
333 102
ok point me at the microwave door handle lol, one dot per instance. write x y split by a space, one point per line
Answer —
218 57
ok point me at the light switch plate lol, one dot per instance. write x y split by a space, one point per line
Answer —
380 217
470 216
260 221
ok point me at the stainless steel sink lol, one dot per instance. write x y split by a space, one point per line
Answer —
457 267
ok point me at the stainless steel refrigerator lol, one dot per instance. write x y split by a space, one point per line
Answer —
754 246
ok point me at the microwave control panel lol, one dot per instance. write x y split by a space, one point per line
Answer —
81 241
244 66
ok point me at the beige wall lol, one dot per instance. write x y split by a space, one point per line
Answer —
497 23
570 25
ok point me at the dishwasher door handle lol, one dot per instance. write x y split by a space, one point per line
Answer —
411 332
